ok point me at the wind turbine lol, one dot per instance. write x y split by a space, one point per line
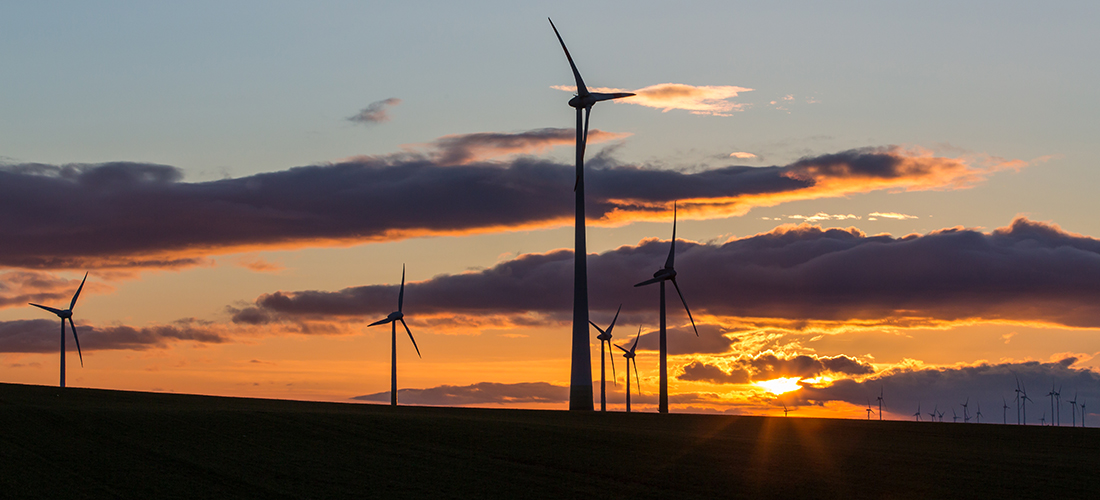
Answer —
917 414
1058 407
966 412
785 410
1004 414
979 414
1073 407
605 337
1024 399
629 355
954 416
1018 391
869 410
67 314
393 318
1051 394
880 389
941 415
1083 413
580 377
933 414
1043 419
662 275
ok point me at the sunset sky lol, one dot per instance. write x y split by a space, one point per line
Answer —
871 197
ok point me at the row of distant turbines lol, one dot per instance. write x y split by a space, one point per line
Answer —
1021 409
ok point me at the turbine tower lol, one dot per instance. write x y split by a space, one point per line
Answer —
662 275
1051 395
869 410
605 337
1004 413
1073 408
629 355
67 314
393 318
1083 413
580 377
966 411
880 389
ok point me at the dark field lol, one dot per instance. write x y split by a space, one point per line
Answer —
78 443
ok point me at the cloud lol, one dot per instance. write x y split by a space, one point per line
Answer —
703 99
1028 272
768 366
131 215
948 387
820 216
18 288
467 148
375 112
742 155
40 336
890 215
480 393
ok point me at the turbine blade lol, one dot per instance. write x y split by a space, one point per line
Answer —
380 322
597 97
648 282
614 376
616 318
685 306
581 89
621 348
637 378
411 337
50 309
77 294
78 353
401 294
597 326
636 339
672 248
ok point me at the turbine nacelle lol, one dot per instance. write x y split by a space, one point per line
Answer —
587 100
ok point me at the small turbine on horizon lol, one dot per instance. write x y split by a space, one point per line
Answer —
605 337
869 410
580 376
1004 414
880 389
667 273
917 414
979 414
629 355
966 411
393 318
67 314
1073 408
933 414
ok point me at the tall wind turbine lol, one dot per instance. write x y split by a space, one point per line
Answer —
1051 395
629 355
917 414
1023 400
954 416
979 414
785 410
668 273
1083 413
869 410
1017 401
67 314
580 377
933 414
966 411
880 389
605 337
1058 407
393 318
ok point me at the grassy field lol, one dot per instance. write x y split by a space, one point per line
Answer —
79 443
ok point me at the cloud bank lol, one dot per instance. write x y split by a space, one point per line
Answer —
1027 272
375 112
133 215
41 336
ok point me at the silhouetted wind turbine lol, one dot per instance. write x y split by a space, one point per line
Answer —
1057 416
605 337
1051 395
1024 399
917 414
941 415
67 314
869 410
1004 414
880 389
966 412
629 355
954 416
393 318
933 414
580 377
785 410
1018 406
1073 408
1043 419
667 273
979 414
1083 413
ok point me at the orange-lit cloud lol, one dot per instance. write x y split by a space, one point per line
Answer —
742 155
462 149
713 100
132 216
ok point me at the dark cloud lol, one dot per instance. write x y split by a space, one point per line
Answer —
480 393
985 385
466 148
42 335
17 288
768 366
375 112
144 215
1029 271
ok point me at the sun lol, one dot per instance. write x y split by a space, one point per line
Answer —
779 385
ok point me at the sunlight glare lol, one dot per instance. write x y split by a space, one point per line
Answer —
779 385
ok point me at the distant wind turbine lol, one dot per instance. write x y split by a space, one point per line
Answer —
1083 413
1043 419
880 389
67 314
979 414
941 415
917 414
933 414
954 416
1004 414
1073 408
1052 394
1024 399
1018 401
869 410
1057 416
966 411
605 337
785 410
393 318
629 355
580 377
667 273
